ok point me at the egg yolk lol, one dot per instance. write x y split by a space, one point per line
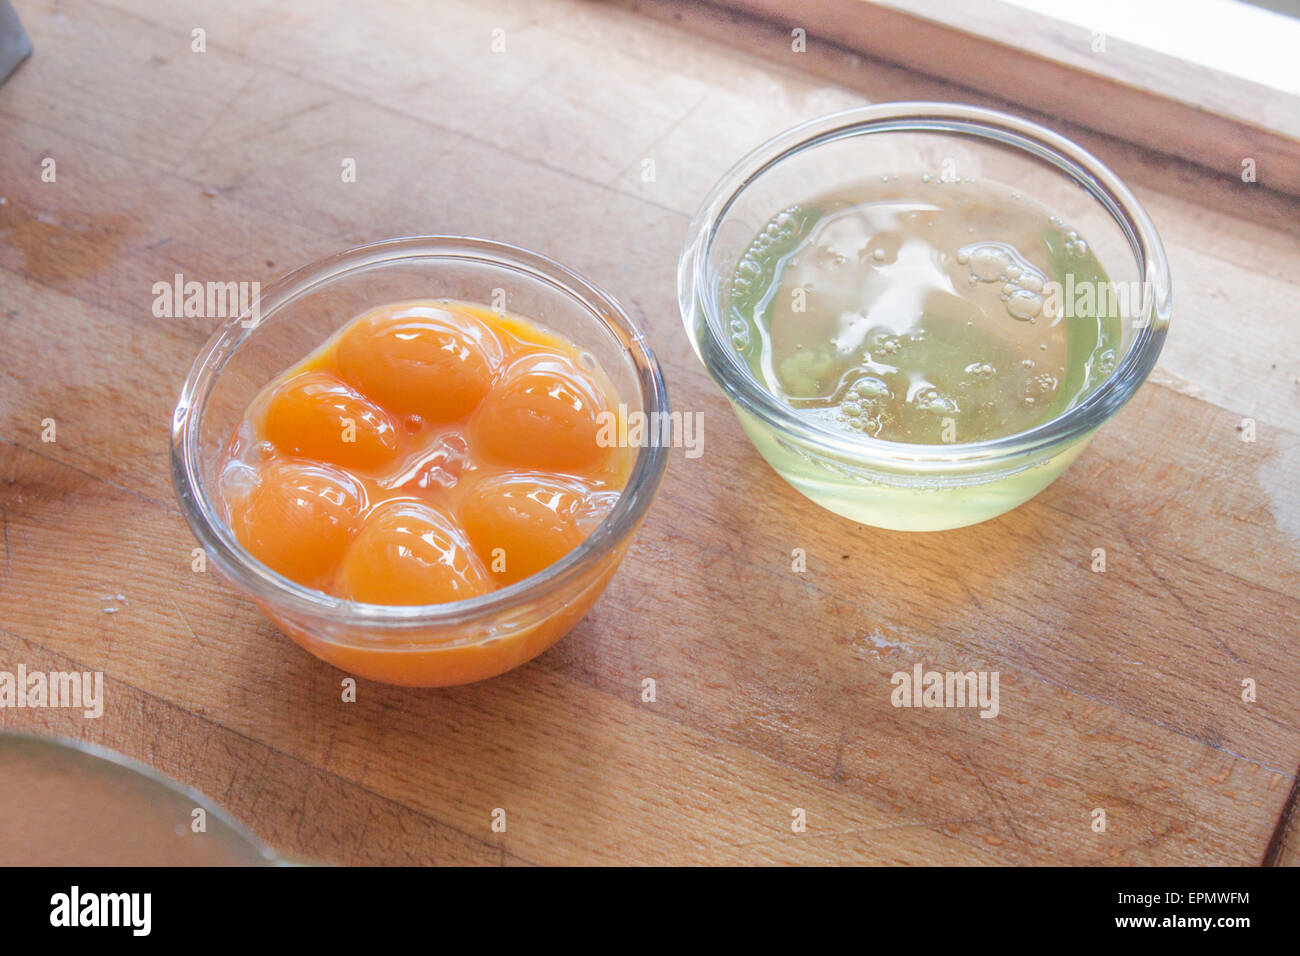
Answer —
543 415
314 415
429 452
433 362
410 552
521 524
298 519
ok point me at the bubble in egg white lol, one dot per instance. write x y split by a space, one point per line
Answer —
1024 304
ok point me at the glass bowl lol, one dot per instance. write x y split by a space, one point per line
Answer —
69 803
426 645
916 487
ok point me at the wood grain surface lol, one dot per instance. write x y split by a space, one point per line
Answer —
1120 690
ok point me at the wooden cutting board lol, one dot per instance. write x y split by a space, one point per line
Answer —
1120 690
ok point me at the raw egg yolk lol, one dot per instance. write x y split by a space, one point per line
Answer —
298 519
409 552
314 415
543 415
424 361
521 524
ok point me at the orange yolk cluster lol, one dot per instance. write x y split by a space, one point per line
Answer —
428 452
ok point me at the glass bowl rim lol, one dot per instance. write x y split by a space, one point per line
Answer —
203 513
1103 185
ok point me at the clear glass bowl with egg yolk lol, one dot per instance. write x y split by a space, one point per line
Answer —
433 644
